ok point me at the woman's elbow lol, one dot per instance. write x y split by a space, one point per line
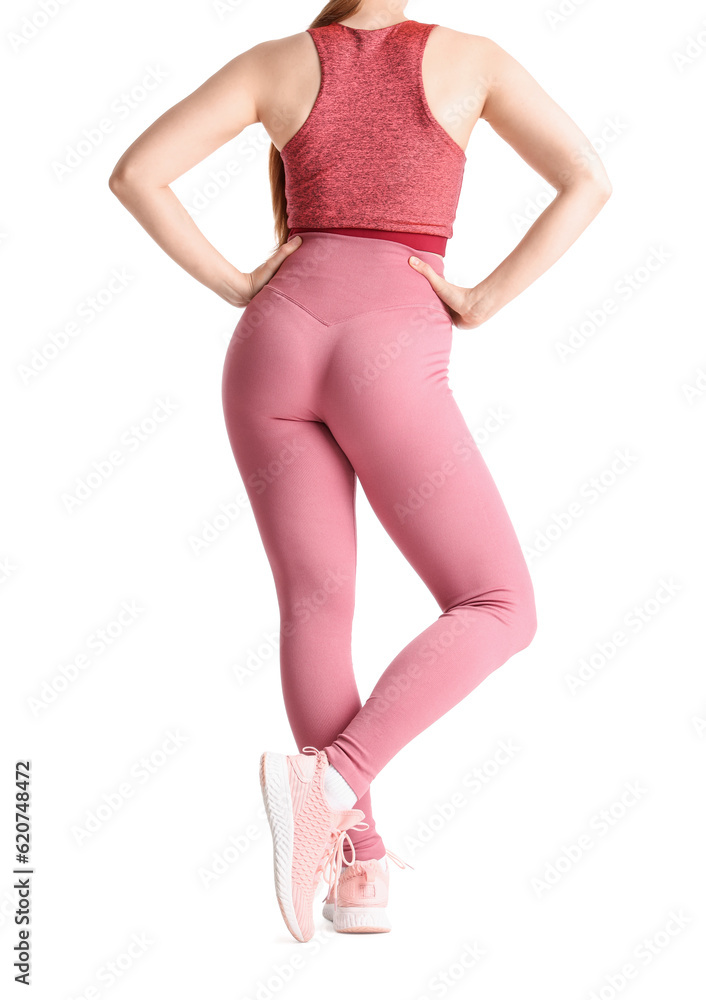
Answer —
126 175
587 177
602 185
119 178
114 182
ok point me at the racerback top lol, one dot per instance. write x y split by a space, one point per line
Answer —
371 154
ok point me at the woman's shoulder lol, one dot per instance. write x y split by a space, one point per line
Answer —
460 47
278 48
463 42
279 61
452 37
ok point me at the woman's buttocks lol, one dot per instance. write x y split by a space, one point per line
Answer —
337 277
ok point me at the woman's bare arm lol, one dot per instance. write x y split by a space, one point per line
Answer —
522 113
179 139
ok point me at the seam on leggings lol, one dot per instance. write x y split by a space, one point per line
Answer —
289 298
402 305
367 312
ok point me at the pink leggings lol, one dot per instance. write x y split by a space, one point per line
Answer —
338 370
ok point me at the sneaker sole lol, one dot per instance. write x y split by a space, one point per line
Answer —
360 920
380 918
274 782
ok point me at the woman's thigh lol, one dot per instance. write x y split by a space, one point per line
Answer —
390 407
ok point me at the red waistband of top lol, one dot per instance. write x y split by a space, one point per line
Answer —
418 241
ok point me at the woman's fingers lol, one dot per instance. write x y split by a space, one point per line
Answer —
452 295
262 274
455 297
274 262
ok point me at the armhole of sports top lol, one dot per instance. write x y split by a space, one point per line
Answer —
425 103
318 96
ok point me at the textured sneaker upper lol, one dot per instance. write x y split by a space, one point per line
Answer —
316 825
312 816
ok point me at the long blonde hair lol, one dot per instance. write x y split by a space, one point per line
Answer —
335 11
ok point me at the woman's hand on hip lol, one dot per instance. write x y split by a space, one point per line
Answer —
248 284
462 303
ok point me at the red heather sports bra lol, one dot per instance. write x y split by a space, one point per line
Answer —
371 156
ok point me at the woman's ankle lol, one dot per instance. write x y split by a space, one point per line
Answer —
339 793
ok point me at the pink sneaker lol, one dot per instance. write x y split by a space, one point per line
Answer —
357 902
307 834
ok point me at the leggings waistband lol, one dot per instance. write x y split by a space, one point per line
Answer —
418 241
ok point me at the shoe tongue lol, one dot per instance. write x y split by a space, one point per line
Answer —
342 819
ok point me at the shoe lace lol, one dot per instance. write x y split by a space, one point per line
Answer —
334 858
398 861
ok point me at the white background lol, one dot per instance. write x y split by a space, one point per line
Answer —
632 76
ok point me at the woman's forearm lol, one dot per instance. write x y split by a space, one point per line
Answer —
549 236
163 216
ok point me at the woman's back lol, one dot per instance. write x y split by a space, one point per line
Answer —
455 69
371 154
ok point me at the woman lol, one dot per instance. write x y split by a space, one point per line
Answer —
337 372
